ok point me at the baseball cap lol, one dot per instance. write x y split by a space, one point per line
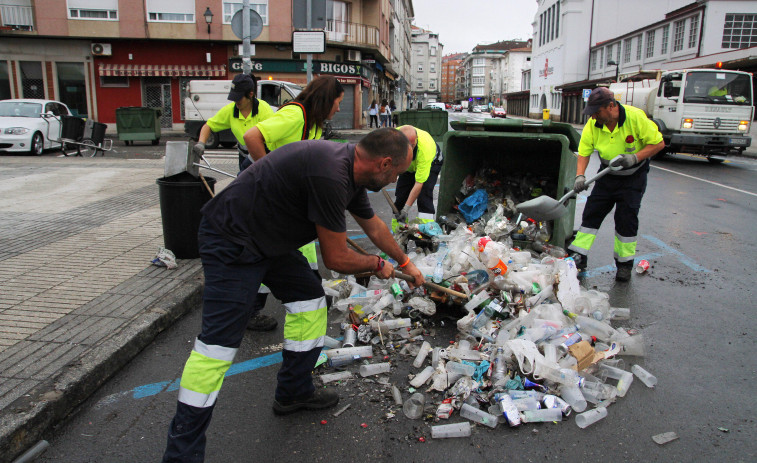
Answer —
599 97
241 86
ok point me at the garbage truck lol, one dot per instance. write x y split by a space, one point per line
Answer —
206 97
706 112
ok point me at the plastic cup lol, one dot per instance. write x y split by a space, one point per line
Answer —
330 342
375 369
422 377
633 345
450 430
396 395
413 407
542 415
350 337
361 351
586 419
478 416
646 377
574 397
422 353
342 375
461 368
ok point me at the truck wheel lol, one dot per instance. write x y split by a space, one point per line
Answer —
212 141
715 160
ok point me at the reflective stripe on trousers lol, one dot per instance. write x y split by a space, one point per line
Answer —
203 374
305 324
584 240
625 248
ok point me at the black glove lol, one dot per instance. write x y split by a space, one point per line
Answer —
625 161
580 184
401 216
198 150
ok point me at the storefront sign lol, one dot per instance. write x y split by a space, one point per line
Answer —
297 66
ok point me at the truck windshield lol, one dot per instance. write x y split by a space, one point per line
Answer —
718 87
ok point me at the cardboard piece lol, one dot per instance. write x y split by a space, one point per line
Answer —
585 355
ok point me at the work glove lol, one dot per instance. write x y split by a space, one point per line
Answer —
625 161
198 150
401 216
580 184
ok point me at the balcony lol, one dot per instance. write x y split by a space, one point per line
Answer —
359 35
17 17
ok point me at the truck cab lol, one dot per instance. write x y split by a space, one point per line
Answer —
206 97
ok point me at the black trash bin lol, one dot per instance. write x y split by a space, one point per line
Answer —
181 198
72 128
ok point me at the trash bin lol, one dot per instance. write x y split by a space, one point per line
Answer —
94 131
433 121
181 198
545 114
512 146
135 123
72 128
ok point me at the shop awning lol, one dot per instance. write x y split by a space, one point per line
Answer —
162 70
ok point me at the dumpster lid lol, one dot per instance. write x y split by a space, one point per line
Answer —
522 126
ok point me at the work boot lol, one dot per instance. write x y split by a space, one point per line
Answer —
624 271
261 322
320 399
580 260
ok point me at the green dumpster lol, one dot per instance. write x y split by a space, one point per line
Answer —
433 121
135 123
512 145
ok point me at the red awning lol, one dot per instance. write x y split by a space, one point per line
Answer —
162 70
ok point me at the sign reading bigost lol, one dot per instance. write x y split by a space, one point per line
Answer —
297 66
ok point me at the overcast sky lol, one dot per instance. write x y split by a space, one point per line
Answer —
462 25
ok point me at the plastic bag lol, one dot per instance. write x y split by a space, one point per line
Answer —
474 205
165 258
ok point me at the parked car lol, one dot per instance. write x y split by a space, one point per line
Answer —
32 126
435 105
447 106
475 109
457 108
498 111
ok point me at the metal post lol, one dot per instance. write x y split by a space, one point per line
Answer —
309 24
246 62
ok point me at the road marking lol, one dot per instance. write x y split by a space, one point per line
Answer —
706 181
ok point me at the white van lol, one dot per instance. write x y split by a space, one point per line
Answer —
435 105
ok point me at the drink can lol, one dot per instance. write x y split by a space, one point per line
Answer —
396 290
642 266
552 401
509 409
350 336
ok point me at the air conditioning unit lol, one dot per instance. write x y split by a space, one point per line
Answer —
353 55
101 49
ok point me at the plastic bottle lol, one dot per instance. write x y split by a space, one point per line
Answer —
646 377
375 369
592 416
360 351
594 327
499 369
478 416
422 377
422 353
439 269
460 368
413 407
476 300
444 431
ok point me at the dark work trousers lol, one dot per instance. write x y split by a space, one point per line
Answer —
622 192
406 182
232 277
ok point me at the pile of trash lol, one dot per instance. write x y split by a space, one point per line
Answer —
532 344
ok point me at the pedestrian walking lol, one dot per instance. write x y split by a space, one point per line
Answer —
244 113
384 111
250 233
392 108
623 136
418 182
373 113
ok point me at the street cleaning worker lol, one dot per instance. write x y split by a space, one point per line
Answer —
420 179
301 119
614 130
250 233
244 113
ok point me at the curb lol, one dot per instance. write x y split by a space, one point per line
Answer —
51 402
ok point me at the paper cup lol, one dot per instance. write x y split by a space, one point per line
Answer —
642 266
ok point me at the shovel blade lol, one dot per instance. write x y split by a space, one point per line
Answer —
179 159
542 208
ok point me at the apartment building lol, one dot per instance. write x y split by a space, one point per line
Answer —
426 64
584 43
450 63
489 70
99 55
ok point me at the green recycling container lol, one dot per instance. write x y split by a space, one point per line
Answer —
135 123
543 148
433 121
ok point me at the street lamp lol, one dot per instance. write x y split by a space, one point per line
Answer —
613 63
208 17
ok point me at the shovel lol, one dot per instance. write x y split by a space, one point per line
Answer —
180 158
546 208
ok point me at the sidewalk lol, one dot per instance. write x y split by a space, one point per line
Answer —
78 295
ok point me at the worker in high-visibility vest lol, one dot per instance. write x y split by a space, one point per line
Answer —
624 135
420 179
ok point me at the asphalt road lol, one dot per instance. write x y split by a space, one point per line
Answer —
695 307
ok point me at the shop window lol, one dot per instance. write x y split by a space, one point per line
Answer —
72 89
5 82
114 81
32 84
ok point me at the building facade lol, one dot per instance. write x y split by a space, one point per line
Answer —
98 55
490 69
608 40
450 63
426 66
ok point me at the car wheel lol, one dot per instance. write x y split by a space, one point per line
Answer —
37 145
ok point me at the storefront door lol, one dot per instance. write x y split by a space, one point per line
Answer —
156 93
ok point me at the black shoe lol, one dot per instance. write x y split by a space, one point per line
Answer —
580 260
319 400
260 322
624 272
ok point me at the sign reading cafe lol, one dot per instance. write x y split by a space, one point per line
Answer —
278 65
